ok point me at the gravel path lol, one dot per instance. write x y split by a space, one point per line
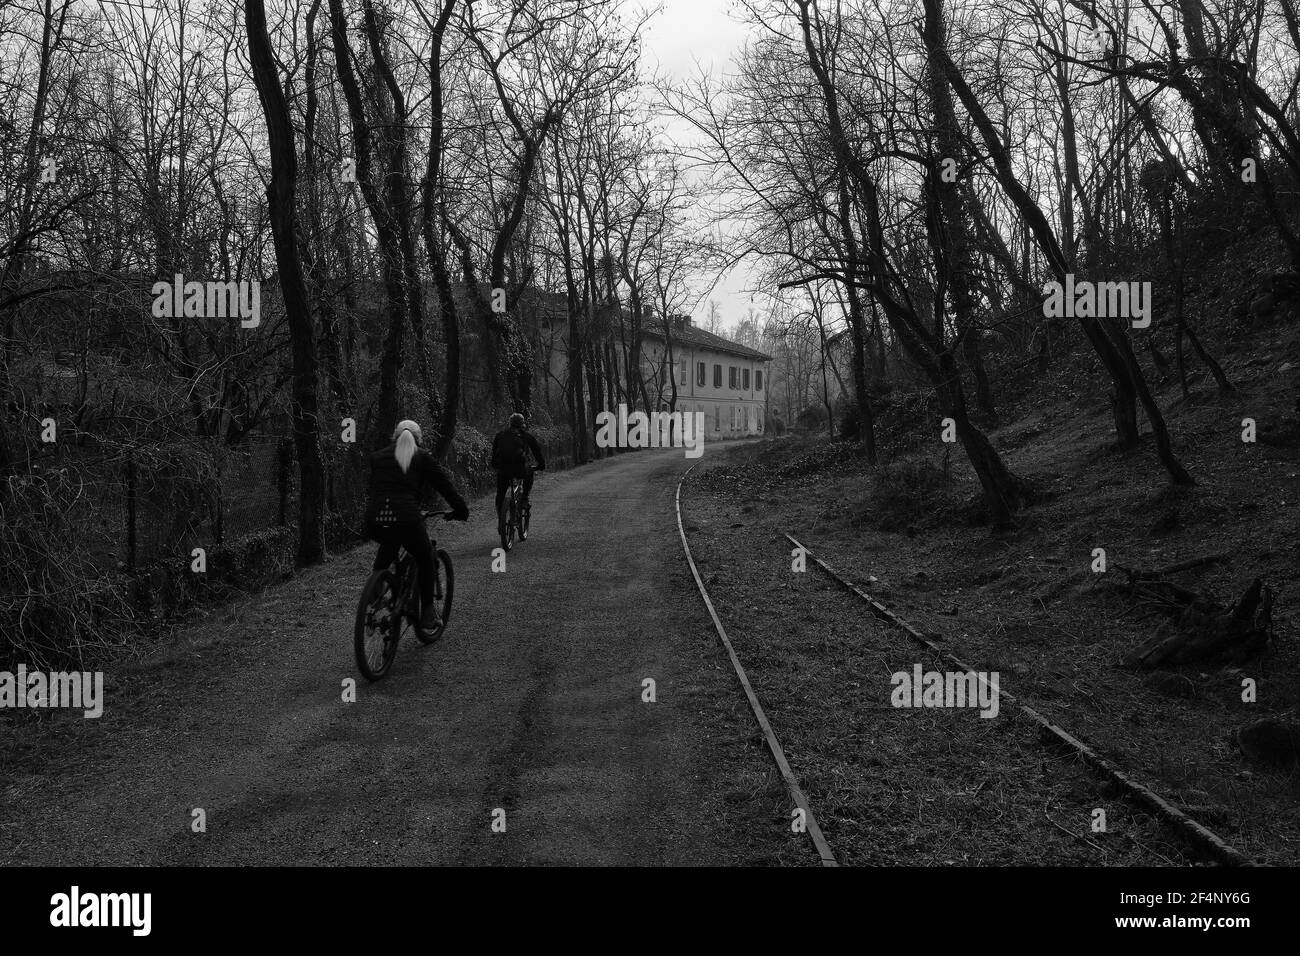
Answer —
531 703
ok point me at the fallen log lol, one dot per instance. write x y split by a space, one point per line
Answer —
1202 630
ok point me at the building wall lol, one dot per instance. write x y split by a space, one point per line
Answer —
735 408
729 412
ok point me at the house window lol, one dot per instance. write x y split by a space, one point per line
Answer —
744 378
701 376
683 375
758 380
717 411
717 376
731 376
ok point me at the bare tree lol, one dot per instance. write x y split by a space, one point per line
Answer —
281 198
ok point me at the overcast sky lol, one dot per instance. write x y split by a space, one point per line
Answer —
690 30
684 33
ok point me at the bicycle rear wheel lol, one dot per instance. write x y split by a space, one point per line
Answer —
504 525
378 625
444 586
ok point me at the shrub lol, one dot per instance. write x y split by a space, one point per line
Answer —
905 491
248 563
471 458
59 607
811 419
556 441
850 427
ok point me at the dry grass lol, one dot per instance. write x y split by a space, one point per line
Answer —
1028 605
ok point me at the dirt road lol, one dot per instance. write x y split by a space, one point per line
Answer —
531 704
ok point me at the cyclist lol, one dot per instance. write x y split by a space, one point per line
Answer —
399 474
510 450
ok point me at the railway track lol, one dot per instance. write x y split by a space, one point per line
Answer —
796 793
1194 834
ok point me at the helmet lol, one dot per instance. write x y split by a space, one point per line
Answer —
406 424
517 421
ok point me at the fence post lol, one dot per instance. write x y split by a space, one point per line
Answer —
218 500
331 471
284 478
130 509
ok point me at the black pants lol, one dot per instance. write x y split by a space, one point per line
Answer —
503 485
412 536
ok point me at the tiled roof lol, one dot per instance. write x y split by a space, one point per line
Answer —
698 338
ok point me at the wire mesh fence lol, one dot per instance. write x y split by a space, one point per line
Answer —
95 538
98 536
141 505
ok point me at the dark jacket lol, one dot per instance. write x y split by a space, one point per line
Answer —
530 443
395 495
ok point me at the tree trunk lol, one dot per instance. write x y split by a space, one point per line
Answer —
434 213
595 386
1001 489
390 366
395 120
280 196
956 261
857 332
1128 385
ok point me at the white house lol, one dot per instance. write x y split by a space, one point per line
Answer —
726 381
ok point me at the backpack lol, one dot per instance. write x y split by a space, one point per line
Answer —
510 453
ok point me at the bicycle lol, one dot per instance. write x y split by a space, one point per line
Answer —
390 602
515 515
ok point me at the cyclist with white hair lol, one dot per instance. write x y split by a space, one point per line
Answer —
399 475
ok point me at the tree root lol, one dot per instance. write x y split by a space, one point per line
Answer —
1199 629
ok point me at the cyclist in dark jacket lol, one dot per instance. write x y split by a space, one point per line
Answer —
510 450
399 474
